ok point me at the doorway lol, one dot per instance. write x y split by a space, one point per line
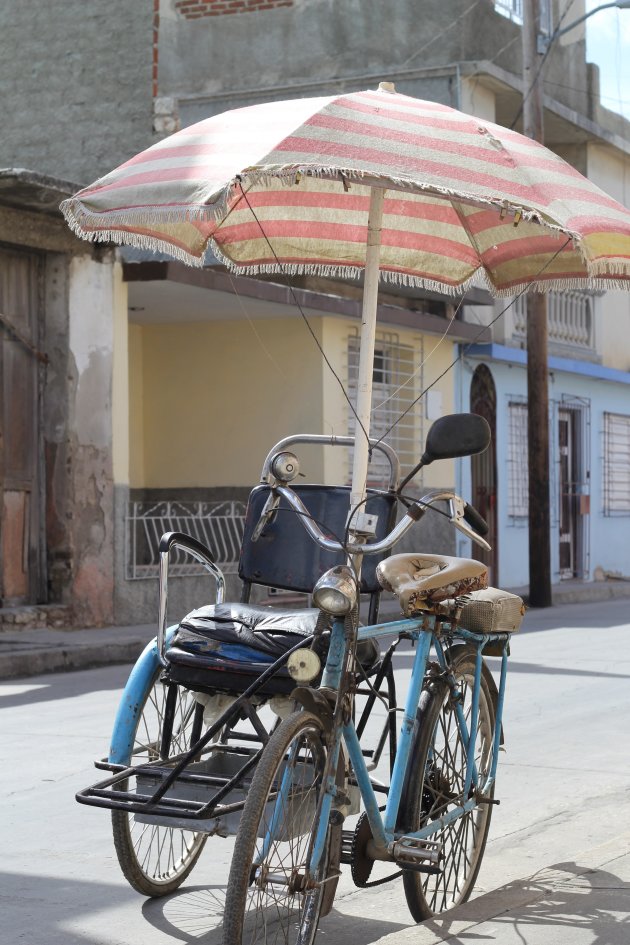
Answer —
573 497
21 503
483 401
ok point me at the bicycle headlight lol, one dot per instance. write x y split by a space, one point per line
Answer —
336 591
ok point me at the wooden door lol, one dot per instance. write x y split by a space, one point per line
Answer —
20 501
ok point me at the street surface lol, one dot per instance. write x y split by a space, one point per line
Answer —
556 868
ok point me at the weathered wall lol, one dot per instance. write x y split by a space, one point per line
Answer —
213 62
76 84
88 459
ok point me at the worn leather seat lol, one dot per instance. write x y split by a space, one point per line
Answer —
422 581
224 647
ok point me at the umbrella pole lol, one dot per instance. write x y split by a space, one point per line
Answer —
366 348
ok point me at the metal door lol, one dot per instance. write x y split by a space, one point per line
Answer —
569 478
20 501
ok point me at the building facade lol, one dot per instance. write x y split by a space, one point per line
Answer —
182 380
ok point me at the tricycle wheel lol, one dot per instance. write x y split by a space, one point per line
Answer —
155 860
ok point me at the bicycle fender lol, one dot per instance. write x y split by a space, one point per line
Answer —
133 697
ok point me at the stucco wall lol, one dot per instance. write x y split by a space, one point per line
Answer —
320 46
76 84
213 404
607 537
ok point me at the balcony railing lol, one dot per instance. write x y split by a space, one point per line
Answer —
569 316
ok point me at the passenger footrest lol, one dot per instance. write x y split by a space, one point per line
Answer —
421 856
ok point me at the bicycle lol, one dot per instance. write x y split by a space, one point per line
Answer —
196 751
290 843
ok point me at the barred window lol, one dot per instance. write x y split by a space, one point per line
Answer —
394 389
518 481
616 473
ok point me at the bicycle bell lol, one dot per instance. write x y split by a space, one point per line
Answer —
285 466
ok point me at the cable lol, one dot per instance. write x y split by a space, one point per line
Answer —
542 62
472 342
254 329
439 35
424 360
304 318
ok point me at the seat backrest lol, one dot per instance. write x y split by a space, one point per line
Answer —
286 557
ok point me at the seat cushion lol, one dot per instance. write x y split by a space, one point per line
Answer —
225 647
267 631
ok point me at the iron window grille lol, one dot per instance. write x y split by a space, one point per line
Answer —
219 525
395 386
517 462
616 464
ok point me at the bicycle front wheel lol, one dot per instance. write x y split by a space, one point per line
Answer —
438 763
155 860
266 900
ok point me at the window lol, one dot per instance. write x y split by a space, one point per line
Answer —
518 477
513 10
395 387
616 463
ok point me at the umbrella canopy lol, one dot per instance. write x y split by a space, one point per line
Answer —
285 186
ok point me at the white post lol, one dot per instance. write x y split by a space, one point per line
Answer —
366 349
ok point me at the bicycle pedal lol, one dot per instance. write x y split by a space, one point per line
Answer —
422 856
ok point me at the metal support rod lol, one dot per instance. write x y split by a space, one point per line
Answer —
537 365
366 351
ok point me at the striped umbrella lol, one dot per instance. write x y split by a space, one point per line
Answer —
414 191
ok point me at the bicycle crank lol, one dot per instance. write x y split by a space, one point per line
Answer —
421 856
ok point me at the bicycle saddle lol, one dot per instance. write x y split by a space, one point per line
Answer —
424 580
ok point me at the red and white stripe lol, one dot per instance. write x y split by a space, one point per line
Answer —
284 186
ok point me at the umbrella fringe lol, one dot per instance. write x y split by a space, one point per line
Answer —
597 280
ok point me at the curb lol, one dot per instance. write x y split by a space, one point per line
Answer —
46 651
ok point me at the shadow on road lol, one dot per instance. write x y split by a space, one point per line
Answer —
195 916
588 906
56 686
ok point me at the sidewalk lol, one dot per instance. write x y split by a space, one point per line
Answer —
32 652
586 902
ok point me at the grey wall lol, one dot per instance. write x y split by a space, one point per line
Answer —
325 46
76 84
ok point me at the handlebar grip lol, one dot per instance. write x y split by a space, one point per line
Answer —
475 520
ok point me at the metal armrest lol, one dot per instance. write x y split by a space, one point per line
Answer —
196 550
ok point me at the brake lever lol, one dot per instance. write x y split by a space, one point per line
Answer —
458 510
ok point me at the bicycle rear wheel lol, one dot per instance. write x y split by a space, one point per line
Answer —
266 901
155 860
438 763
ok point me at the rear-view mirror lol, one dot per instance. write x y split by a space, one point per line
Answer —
459 434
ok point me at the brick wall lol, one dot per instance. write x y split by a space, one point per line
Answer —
195 9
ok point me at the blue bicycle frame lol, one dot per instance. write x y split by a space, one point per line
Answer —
423 633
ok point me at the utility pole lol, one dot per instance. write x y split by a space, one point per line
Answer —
537 372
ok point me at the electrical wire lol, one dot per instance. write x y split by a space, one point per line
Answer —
467 347
304 318
542 62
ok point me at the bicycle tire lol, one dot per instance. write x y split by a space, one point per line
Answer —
254 911
155 860
438 758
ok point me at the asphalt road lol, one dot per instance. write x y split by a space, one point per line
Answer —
564 785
